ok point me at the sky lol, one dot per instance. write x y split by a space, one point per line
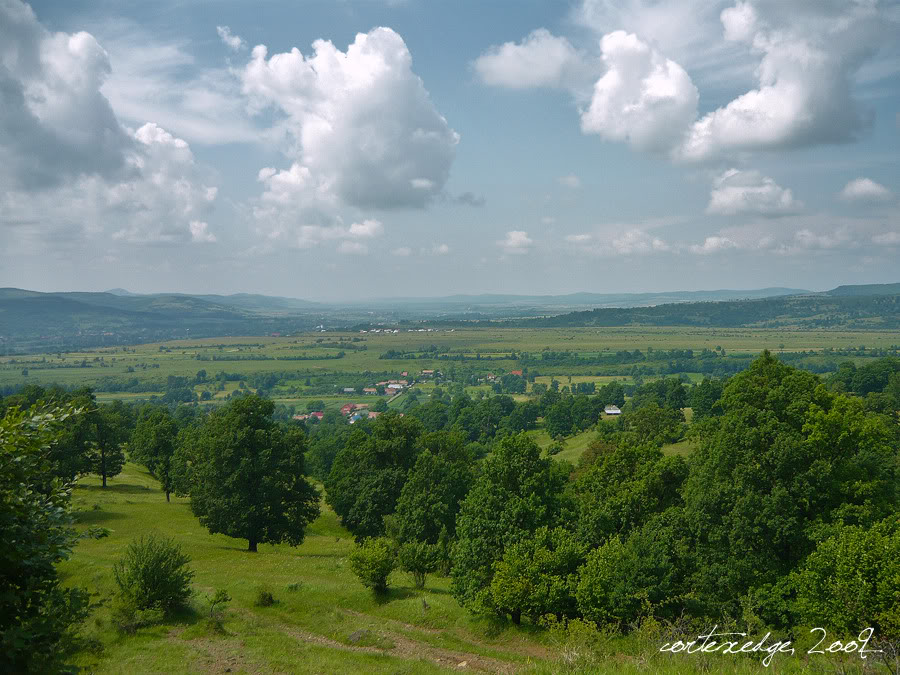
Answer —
343 150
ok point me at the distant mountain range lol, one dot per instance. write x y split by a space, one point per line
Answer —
35 321
591 299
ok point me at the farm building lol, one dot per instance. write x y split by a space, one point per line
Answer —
612 410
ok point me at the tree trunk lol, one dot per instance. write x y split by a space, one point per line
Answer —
104 479
167 496
252 547
517 616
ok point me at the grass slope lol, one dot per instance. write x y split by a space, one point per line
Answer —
308 629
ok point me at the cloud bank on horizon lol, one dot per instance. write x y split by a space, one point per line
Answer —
133 154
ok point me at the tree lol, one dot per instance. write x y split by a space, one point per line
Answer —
434 489
153 444
558 420
39 618
517 492
538 576
106 458
624 488
654 424
642 574
245 475
851 579
368 475
784 465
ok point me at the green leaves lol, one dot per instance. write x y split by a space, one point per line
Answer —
245 475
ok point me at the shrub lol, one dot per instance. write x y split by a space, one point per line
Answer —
127 618
217 610
555 448
153 574
373 561
264 597
418 558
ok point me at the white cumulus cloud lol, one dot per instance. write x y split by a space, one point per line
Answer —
200 232
865 189
70 172
808 55
643 99
359 124
55 124
540 60
736 192
516 242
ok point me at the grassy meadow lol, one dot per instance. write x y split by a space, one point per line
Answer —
324 620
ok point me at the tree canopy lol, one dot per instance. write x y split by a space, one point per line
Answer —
245 475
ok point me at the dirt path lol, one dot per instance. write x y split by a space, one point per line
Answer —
411 649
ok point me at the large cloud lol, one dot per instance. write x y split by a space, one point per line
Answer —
803 57
735 192
644 98
809 53
68 169
162 199
360 125
54 122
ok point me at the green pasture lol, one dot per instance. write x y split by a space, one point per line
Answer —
320 605
156 361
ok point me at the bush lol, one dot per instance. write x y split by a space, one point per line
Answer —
264 597
851 580
216 618
373 561
153 574
127 618
418 558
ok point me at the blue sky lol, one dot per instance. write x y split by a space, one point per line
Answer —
337 150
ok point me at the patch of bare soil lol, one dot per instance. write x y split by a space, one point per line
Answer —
220 655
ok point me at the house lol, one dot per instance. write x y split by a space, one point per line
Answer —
349 390
346 409
395 387
516 372
612 410
427 373
317 415
301 417
404 374
373 415
370 390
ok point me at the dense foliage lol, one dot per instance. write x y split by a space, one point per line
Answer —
39 618
245 476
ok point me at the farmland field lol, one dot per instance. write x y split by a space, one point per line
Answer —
317 354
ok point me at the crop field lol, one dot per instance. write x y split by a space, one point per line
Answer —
311 355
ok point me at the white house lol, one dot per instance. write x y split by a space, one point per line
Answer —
612 410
